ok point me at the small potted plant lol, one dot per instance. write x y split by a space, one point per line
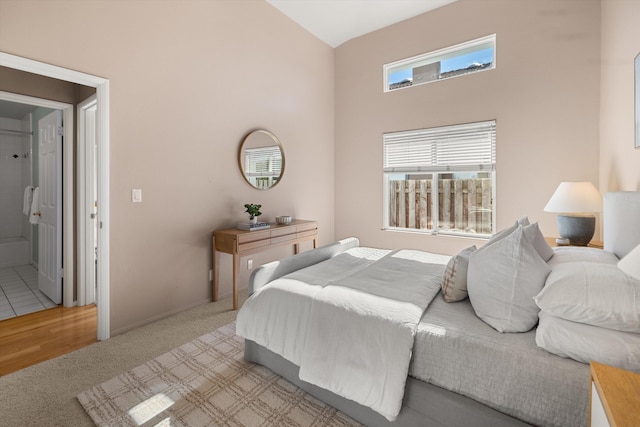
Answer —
253 211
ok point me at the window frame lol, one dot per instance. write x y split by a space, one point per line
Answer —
434 56
436 172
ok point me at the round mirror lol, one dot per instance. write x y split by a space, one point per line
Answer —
261 159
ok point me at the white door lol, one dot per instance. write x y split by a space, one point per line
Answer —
87 201
91 198
49 226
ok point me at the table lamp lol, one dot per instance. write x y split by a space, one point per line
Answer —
630 264
576 202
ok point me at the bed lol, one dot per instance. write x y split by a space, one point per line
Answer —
458 369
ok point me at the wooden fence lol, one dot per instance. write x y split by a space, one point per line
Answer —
464 205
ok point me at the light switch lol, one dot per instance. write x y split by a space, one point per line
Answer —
136 195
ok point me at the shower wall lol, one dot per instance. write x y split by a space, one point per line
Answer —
15 176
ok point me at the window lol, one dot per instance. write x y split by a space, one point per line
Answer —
263 165
441 180
465 58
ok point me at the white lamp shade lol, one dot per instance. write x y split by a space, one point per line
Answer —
630 264
575 197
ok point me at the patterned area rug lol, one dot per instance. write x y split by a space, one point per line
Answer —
206 382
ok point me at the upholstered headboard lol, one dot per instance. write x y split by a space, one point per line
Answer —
621 219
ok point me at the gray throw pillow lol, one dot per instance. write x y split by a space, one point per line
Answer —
502 280
454 279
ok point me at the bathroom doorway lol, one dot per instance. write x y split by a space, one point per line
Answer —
70 222
31 208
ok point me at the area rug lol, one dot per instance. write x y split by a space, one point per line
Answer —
205 382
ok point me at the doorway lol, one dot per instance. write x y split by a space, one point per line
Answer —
102 174
21 263
39 182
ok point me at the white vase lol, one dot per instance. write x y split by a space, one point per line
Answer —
254 220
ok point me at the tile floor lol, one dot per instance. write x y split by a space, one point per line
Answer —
19 292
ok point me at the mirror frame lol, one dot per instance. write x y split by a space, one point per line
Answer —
241 150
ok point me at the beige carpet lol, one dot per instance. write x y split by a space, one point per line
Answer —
45 394
205 382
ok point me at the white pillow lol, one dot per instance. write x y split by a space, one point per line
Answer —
454 280
502 280
585 343
592 293
534 235
564 254
504 233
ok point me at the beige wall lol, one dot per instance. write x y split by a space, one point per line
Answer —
619 161
544 95
188 79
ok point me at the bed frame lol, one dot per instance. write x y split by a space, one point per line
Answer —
425 404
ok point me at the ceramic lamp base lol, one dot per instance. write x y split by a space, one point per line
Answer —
578 229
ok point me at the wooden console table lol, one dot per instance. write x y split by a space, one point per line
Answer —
241 243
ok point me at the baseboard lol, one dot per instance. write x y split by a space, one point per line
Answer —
230 293
158 317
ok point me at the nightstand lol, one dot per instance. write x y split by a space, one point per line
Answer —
615 397
593 244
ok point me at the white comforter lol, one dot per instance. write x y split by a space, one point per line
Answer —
276 316
348 322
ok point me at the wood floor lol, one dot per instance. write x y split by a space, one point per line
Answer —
34 338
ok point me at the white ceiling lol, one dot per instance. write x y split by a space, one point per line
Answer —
337 21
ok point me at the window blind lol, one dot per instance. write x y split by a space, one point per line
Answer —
263 161
470 146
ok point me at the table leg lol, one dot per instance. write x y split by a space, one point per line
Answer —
216 274
236 273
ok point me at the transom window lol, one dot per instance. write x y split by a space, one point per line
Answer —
464 58
441 180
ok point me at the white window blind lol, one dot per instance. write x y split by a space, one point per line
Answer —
263 161
470 146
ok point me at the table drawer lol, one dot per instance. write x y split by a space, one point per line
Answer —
280 239
253 245
282 231
307 226
252 236
310 233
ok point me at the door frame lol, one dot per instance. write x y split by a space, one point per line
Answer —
102 140
86 222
